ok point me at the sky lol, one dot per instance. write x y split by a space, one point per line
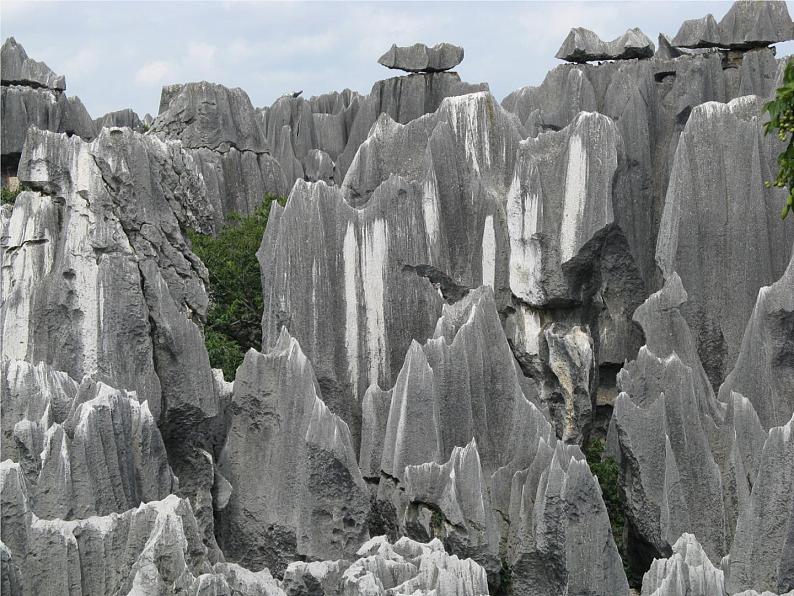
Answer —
119 54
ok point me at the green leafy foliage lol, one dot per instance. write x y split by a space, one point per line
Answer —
8 196
608 473
781 122
234 317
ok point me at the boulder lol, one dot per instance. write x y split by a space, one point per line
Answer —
582 45
421 58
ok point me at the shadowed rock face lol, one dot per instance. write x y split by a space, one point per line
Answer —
281 431
457 296
421 58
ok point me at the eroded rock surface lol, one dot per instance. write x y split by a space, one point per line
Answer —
421 58
582 45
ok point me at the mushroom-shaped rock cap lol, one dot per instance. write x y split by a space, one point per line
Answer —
582 45
17 69
758 23
748 24
420 58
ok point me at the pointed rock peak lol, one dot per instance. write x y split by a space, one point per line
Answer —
17 69
421 58
698 33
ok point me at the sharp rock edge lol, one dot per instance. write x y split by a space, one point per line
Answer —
457 295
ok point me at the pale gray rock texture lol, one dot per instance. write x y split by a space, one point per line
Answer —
461 384
23 107
715 196
18 69
688 572
582 45
206 115
698 33
650 102
281 427
422 58
68 256
220 129
105 455
762 555
410 567
125 117
33 95
764 371
747 24
155 549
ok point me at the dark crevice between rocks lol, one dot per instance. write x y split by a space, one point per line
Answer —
450 290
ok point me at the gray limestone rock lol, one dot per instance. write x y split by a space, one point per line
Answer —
281 426
125 117
18 69
663 417
764 371
421 58
45 109
751 24
688 572
571 394
205 115
220 129
409 567
154 549
762 555
698 33
747 24
318 165
582 45
712 202
560 539
118 230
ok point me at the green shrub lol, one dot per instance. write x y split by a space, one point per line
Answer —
8 196
234 317
608 473
781 121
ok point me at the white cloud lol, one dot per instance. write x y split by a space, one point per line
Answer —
154 73
202 52
83 62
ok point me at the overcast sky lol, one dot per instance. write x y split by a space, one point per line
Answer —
119 54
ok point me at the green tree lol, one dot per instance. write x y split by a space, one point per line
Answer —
608 473
234 317
9 196
781 122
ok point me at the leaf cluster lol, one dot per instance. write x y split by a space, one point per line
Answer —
234 317
607 471
781 123
8 196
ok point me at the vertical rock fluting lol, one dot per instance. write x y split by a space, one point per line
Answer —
450 294
283 440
